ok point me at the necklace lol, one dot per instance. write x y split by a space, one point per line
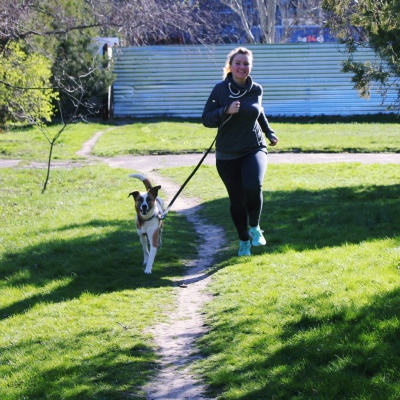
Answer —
236 95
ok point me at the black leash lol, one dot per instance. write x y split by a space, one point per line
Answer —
188 179
194 171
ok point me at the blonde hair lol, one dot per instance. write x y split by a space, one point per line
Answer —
232 55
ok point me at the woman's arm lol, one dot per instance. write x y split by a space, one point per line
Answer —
214 112
266 128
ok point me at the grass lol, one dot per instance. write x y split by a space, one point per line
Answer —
75 304
166 137
360 134
30 144
319 325
313 315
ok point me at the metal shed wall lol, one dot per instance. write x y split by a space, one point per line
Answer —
298 80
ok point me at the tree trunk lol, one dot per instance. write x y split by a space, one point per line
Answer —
237 7
266 11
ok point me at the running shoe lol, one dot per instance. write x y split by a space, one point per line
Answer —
257 236
244 248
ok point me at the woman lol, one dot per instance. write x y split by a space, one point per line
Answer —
235 108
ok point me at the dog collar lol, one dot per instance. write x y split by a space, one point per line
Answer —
159 216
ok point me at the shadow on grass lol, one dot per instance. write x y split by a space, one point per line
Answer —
105 265
350 354
95 264
320 119
317 351
113 373
303 220
333 217
353 353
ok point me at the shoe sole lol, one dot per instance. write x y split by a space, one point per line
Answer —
258 244
255 244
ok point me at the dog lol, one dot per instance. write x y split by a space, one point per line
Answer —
149 220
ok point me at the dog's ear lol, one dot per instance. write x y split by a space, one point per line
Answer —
154 190
134 194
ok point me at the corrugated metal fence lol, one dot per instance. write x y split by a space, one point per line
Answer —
298 79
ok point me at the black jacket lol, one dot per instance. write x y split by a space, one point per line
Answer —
240 133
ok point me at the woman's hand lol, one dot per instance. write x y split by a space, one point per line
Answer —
273 140
233 107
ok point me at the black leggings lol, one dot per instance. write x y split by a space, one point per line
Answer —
243 178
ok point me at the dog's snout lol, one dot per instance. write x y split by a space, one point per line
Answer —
144 209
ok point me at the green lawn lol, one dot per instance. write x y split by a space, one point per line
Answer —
316 313
313 315
363 134
165 137
31 144
75 304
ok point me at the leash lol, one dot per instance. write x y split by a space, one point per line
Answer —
194 171
187 180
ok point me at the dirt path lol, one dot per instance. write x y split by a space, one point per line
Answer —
150 163
175 339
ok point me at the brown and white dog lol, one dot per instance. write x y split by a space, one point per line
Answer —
149 223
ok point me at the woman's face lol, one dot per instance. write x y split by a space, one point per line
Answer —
241 67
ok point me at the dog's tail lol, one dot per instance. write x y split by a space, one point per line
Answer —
143 178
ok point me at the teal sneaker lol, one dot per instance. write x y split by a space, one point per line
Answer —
257 237
244 248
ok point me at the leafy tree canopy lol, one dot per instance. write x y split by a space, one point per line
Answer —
18 73
375 24
63 32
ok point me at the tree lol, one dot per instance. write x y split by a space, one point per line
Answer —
373 24
43 76
81 76
25 92
258 18
60 31
298 15
255 20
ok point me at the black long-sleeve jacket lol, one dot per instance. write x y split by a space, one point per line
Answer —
240 133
